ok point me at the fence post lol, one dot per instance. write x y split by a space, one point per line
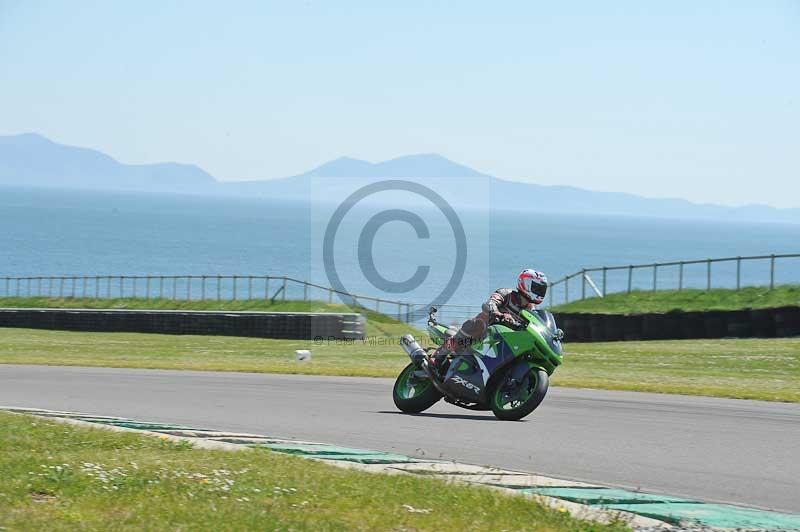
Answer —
249 287
39 286
305 290
655 277
74 283
108 287
680 277
708 275
188 287
377 305
203 288
60 287
174 287
134 286
398 311
283 294
630 278
219 287
605 270
147 287
266 287
738 273
235 279
566 289
583 284
772 271
330 296
97 287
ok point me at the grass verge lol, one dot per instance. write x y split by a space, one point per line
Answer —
686 300
766 369
62 477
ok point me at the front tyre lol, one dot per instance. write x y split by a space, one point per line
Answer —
513 399
413 394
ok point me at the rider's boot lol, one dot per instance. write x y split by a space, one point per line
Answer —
440 355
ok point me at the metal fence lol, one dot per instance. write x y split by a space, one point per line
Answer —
726 272
589 282
193 288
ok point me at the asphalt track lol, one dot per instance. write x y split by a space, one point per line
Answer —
721 450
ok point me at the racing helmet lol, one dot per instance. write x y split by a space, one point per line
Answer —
533 285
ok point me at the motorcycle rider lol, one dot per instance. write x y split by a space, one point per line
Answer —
501 307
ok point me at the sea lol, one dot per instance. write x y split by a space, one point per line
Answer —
375 250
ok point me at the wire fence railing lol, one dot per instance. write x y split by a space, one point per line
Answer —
193 288
727 272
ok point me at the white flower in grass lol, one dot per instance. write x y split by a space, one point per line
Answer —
413 510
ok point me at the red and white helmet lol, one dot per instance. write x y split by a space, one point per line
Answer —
532 285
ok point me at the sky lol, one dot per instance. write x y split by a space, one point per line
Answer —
699 100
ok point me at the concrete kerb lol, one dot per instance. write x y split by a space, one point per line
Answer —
453 472
196 442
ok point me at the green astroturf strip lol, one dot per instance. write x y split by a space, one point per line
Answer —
714 515
603 496
155 427
314 450
378 458
332 452
674 510
251 440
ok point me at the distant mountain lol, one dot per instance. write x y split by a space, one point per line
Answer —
424 165
33 160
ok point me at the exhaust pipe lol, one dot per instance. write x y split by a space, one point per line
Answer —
417 354
412 349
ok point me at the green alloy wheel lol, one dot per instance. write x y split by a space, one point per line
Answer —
514 399
413 394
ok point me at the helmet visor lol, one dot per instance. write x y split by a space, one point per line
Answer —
540 289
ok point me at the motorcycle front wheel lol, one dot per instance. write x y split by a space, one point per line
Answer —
513 399
413 394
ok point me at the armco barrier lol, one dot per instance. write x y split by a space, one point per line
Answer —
284 325
756 323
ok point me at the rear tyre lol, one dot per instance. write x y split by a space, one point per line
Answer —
511 400
413 394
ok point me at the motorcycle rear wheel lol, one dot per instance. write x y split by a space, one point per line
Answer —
413 395
513 401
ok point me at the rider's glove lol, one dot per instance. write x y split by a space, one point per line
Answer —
508 319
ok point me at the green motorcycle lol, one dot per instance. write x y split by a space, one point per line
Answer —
507 372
